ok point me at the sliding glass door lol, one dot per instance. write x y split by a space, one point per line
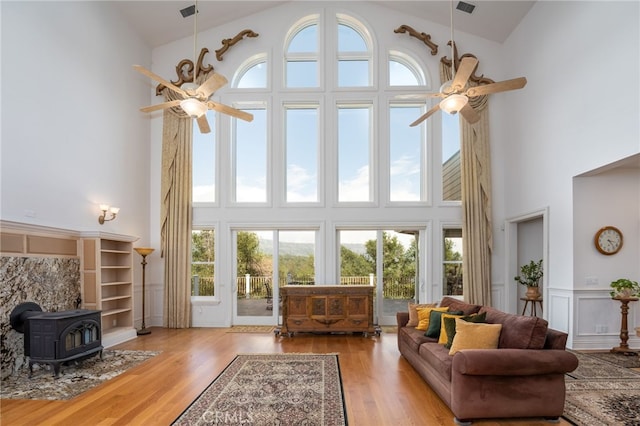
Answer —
386 259
265 260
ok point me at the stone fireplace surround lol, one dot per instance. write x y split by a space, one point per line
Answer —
37 264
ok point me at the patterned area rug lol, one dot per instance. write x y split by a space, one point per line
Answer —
602 392
272 389
75 378
251 329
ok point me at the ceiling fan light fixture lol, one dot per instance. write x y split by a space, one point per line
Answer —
453 103
193 107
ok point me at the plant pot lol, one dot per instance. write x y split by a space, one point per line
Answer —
533 293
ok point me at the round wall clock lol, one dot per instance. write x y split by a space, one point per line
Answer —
608 240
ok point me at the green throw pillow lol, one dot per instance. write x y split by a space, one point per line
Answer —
435 322
450 325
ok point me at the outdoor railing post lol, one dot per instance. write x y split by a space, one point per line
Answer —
247 286
196 285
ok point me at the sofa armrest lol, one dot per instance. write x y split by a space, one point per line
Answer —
513 362
402 318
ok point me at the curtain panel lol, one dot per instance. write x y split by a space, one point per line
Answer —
475 160
175 221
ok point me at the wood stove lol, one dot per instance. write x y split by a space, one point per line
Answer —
57 337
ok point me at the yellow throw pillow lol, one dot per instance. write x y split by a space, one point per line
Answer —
443 332
471 335
413 312
423 316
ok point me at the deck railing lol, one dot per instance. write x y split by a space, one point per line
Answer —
257 287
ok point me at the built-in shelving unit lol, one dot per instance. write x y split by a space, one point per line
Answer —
107 284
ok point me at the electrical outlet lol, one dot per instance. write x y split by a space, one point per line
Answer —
601 328
591 280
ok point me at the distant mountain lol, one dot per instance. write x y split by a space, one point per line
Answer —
302 249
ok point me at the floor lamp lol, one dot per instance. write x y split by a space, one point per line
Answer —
144 252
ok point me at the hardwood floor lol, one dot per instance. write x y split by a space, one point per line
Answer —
380 387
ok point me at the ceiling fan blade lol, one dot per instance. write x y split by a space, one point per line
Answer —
420 96
230 111
163 105
467 65
212 84
501 86
203 124
159 79
426 115
469 114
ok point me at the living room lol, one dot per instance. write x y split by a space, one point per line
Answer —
562 167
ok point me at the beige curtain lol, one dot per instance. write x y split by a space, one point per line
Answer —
175 220
476 201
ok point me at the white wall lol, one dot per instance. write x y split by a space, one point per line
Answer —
72 135
566 121
608 198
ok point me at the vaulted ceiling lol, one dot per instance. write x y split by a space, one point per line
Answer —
160 22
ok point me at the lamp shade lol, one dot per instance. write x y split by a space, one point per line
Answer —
193 107
453 103
143 251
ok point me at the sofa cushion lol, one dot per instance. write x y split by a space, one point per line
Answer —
424 315
459 305
518 331
435 322
449 325
475 336
413 312
444 336
437 356
413 338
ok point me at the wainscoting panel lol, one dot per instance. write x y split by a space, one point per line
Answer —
499 297
154 302
598 319
559 310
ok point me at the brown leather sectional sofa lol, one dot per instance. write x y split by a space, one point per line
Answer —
523 377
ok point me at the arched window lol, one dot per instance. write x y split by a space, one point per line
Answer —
354 53
252 74
301 54
405 71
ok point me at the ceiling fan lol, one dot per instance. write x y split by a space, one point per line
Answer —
195 100
455 93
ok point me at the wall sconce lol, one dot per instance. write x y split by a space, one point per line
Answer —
103 217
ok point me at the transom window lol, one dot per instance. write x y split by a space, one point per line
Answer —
354 54
301 55
301 133
250 158
354 153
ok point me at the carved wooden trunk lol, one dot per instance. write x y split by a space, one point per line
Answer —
335 308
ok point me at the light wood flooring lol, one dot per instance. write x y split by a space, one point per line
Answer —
380 387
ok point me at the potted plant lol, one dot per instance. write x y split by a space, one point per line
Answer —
530 275
624 288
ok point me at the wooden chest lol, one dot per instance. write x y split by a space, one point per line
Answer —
331 308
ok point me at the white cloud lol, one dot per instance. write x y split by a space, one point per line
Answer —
301 185
356 189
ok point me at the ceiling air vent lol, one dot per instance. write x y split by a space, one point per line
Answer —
465 7
188 11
